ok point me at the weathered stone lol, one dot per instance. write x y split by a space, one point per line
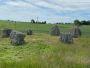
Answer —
55 31
29 32
66 38
17 38
5 32
76 32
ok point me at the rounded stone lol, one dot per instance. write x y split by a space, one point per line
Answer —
5 32
55 31
29 32
66 38
76 32
17 38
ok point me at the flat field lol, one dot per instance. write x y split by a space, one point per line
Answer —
42 50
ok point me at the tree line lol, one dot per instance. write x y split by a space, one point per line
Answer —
76 22
84 22
38 22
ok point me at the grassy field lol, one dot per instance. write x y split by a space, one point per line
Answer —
44 51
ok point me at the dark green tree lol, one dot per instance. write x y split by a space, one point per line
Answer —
33 21
77 22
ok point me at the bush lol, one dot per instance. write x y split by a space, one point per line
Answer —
55 31
66 38
5 32
17 38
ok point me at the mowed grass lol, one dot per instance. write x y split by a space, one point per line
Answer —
44 51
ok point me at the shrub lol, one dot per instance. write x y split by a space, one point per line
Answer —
5 32
17 38
55 31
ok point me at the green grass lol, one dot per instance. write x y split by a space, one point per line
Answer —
44 51
40 28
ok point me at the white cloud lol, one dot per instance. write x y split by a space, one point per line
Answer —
58 5
56 19
18 4
69 4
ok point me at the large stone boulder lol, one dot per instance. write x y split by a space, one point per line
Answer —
29 32
66 38
17 38
5 32
76 32
55 31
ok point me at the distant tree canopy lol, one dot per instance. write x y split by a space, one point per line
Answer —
32 21
84 22
38 22
77 22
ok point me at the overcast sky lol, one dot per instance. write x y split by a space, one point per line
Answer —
50 10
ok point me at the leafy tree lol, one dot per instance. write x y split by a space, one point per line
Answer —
77 22
85 22
32 21
44 22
